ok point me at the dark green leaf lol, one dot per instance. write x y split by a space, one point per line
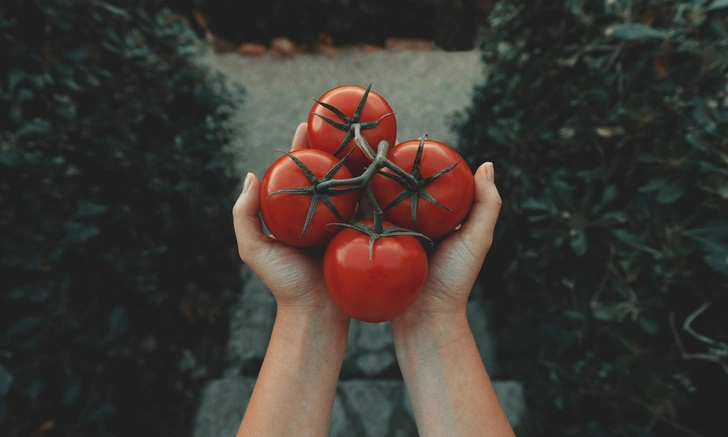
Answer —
649 326
533 204
671 192
718 4
607 313
118 323
104 411
718 261
6 380
33 128
114 10
89 209
70 388
22 326
635 31
578 243
14 78
575 315
10 158
34 293
696 141
624 235
78 232
29 386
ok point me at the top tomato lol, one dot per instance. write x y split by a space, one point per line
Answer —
330 120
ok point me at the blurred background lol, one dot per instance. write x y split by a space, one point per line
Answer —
122 129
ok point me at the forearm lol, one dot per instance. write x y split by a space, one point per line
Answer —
295 390
448 385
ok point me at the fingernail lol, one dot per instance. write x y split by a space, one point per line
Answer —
489 171
246 184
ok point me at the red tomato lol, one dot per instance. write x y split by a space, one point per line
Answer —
285 214
453 189
377 289
322 135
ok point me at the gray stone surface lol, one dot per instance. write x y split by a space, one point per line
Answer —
222 407
511 396
251 324
483 334
367 408
362 407
369 350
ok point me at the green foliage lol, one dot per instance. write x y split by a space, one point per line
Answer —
607 122
114 216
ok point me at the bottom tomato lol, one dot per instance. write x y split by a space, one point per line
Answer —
377 289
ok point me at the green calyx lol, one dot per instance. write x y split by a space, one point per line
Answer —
375 234
347 123
414 185
317 194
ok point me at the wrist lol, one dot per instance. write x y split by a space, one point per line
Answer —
324 319
418 334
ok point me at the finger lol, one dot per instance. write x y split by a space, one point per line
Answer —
480 225
300 138
248 228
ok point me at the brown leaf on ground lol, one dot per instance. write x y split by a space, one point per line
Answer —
327 50
219 45
368 47
283 47
252 49
409 44
325 39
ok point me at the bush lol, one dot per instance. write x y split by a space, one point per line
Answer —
116 247
607 123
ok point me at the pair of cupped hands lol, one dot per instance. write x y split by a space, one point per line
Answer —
295 276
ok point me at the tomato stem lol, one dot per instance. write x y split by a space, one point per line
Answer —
363 179
362 143
378 214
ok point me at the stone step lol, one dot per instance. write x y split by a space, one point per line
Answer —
362 407
370 348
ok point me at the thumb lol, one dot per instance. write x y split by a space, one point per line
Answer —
478 229
248 228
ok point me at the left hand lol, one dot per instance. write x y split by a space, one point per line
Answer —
294 276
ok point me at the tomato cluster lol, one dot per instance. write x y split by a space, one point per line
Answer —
420 190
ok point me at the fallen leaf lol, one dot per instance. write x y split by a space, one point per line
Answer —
327 50
251 49
409 44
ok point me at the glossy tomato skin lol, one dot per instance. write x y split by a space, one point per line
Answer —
379 289
285 214
321 135
454 190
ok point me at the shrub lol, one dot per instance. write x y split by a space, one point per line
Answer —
116 247
607 122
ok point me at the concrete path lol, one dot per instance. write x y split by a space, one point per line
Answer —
425 89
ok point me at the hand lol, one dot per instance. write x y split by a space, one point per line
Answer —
456 261
294 276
